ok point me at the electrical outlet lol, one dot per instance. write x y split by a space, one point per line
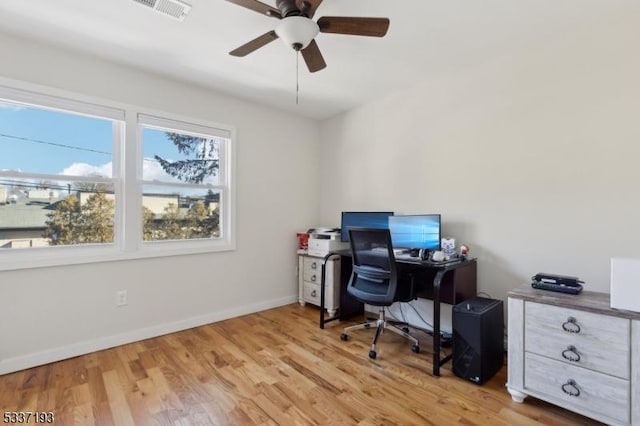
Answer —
121 297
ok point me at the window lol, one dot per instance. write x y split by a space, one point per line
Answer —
184 180
67 171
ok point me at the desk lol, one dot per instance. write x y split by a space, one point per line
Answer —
449 283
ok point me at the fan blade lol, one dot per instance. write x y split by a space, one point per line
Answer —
259 7
254 44
310 8
372 27
313 57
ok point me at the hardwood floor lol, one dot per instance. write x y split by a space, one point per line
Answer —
274 368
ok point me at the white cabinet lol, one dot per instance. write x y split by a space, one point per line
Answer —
576 352
309 276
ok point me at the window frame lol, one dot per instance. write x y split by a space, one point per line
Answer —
193 127
126 179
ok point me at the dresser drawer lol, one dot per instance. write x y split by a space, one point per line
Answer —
311 293
311 269
594 393
585 339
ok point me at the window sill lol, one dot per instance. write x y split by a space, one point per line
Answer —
63 256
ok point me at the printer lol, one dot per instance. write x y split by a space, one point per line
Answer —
322 241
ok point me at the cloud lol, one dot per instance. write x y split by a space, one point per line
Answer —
84 169
152 170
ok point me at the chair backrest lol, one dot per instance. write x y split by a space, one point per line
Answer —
374 278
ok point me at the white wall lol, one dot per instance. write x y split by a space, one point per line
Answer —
532 159
50 313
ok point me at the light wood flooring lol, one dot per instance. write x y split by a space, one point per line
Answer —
271 368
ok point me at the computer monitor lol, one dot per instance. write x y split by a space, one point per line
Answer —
364 220
415 231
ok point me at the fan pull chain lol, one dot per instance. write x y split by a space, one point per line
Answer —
297 75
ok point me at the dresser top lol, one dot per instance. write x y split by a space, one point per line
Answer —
590 301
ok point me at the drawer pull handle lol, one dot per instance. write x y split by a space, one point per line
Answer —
571 325
313 293
314 265
571 354
313 278
571 388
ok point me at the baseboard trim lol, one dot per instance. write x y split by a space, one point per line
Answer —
11 365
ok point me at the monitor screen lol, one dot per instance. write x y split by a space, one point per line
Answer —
415 231
363 220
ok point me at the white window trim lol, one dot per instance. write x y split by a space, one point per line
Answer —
70 104
127 180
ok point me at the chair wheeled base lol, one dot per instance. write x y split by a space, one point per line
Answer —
381 324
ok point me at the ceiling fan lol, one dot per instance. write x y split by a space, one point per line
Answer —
298 30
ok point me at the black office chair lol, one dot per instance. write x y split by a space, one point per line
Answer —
375 281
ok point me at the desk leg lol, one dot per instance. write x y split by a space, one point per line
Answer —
437 281
322 287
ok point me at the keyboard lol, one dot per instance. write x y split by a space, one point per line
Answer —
407 256
445 262
396 252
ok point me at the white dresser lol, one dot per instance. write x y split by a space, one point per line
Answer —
576 352
309 276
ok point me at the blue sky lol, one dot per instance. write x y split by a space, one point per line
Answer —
50 142
39 128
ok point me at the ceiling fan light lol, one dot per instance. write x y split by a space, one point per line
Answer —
297 31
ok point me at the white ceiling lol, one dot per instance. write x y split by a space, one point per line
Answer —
426 39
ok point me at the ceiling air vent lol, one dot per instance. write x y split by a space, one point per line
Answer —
173 8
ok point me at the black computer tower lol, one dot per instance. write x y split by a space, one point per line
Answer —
478 339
